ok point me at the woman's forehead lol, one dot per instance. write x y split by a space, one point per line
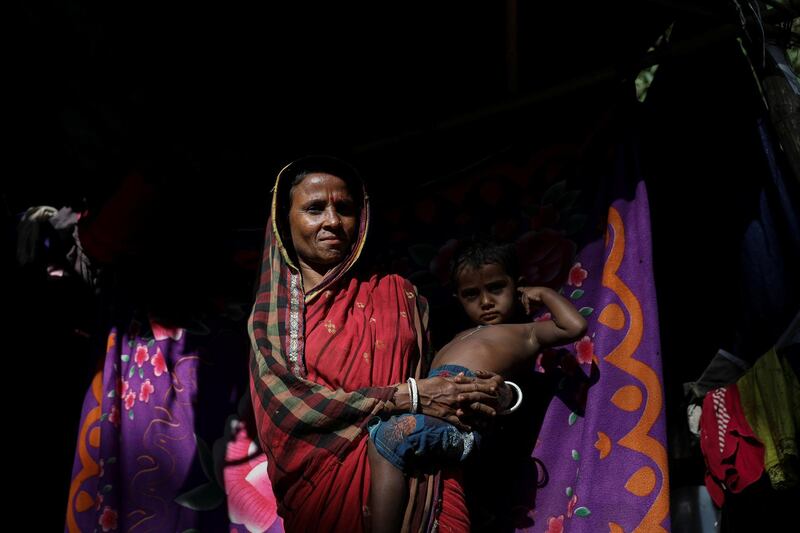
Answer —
322 178
321 184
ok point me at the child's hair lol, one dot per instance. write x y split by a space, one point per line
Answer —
476 252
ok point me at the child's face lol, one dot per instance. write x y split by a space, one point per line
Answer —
487 294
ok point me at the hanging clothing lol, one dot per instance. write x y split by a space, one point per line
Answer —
770 395
168 386
152 414
733 454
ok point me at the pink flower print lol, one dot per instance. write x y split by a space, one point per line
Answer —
251 501
108 520
585 350
543 317
145 391
571 505
577 275
161 333
555 525
141 356
159 363
130 399
122 387
113 416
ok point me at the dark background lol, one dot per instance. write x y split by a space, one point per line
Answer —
409 92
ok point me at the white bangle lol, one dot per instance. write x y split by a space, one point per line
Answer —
519 398
412 389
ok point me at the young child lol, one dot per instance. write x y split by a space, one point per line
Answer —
484 277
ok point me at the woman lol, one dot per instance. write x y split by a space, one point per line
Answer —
332 348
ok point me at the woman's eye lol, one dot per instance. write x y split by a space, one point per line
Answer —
345 209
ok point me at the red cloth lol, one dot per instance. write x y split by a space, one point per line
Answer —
733 454
360 335
454 515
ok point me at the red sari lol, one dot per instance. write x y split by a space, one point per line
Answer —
323 364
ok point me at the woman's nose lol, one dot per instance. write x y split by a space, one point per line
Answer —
332 218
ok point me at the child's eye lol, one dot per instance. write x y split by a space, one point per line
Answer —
469 295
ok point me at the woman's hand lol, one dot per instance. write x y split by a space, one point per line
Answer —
479 410
462 400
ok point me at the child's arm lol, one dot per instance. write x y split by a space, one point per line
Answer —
566 324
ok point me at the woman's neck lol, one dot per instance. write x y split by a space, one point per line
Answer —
312 275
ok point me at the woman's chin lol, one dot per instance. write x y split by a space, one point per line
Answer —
329 258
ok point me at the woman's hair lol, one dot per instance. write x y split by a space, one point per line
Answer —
476 252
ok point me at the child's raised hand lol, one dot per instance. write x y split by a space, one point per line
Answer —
530 296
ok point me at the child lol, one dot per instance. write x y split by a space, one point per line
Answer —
484 276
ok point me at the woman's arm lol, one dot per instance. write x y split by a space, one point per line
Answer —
458 399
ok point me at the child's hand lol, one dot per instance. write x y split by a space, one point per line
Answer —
530 296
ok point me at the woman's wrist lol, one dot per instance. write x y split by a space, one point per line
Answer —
515 397
414 392
401 401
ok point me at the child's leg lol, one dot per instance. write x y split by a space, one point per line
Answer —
422 439
387 493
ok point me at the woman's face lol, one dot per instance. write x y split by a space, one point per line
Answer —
322 219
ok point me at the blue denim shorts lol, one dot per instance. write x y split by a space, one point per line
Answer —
421 440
